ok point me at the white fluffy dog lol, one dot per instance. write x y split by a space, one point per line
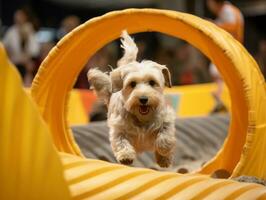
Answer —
138 116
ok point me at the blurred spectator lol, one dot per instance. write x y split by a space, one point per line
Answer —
21 44
184 55
186 63
1 28
200 66
261 56
102 59
67 25
165 56
45 48
230 19
99 112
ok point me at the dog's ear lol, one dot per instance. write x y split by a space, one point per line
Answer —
116 80
167 76
130 49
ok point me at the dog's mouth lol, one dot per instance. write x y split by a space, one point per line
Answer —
144 110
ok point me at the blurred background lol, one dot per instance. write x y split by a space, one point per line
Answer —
52 19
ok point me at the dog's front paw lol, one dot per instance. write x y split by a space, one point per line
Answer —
165 145
163 150
126 158
126 161
163 161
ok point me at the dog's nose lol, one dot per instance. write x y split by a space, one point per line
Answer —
143 100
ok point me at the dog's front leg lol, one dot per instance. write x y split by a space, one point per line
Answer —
124 152
165 144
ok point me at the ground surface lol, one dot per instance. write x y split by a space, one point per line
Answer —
198 140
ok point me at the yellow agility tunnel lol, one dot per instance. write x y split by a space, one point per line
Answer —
79 178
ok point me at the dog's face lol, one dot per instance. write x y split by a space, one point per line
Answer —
142 88
141 83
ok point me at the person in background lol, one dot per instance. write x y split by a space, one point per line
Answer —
98 112
68 24
22 45
104 59
1 28
229 18
45 48
184 62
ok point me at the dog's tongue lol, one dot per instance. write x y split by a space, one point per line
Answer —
144 110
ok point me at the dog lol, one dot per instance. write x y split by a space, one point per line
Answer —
138 116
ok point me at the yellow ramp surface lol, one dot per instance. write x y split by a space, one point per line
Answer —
30 167
94 179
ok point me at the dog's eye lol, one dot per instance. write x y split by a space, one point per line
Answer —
133 84
152 82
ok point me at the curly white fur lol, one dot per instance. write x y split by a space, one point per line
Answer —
130 49
101 83
137 126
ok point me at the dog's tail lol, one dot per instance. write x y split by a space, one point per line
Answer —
101 83
130 49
